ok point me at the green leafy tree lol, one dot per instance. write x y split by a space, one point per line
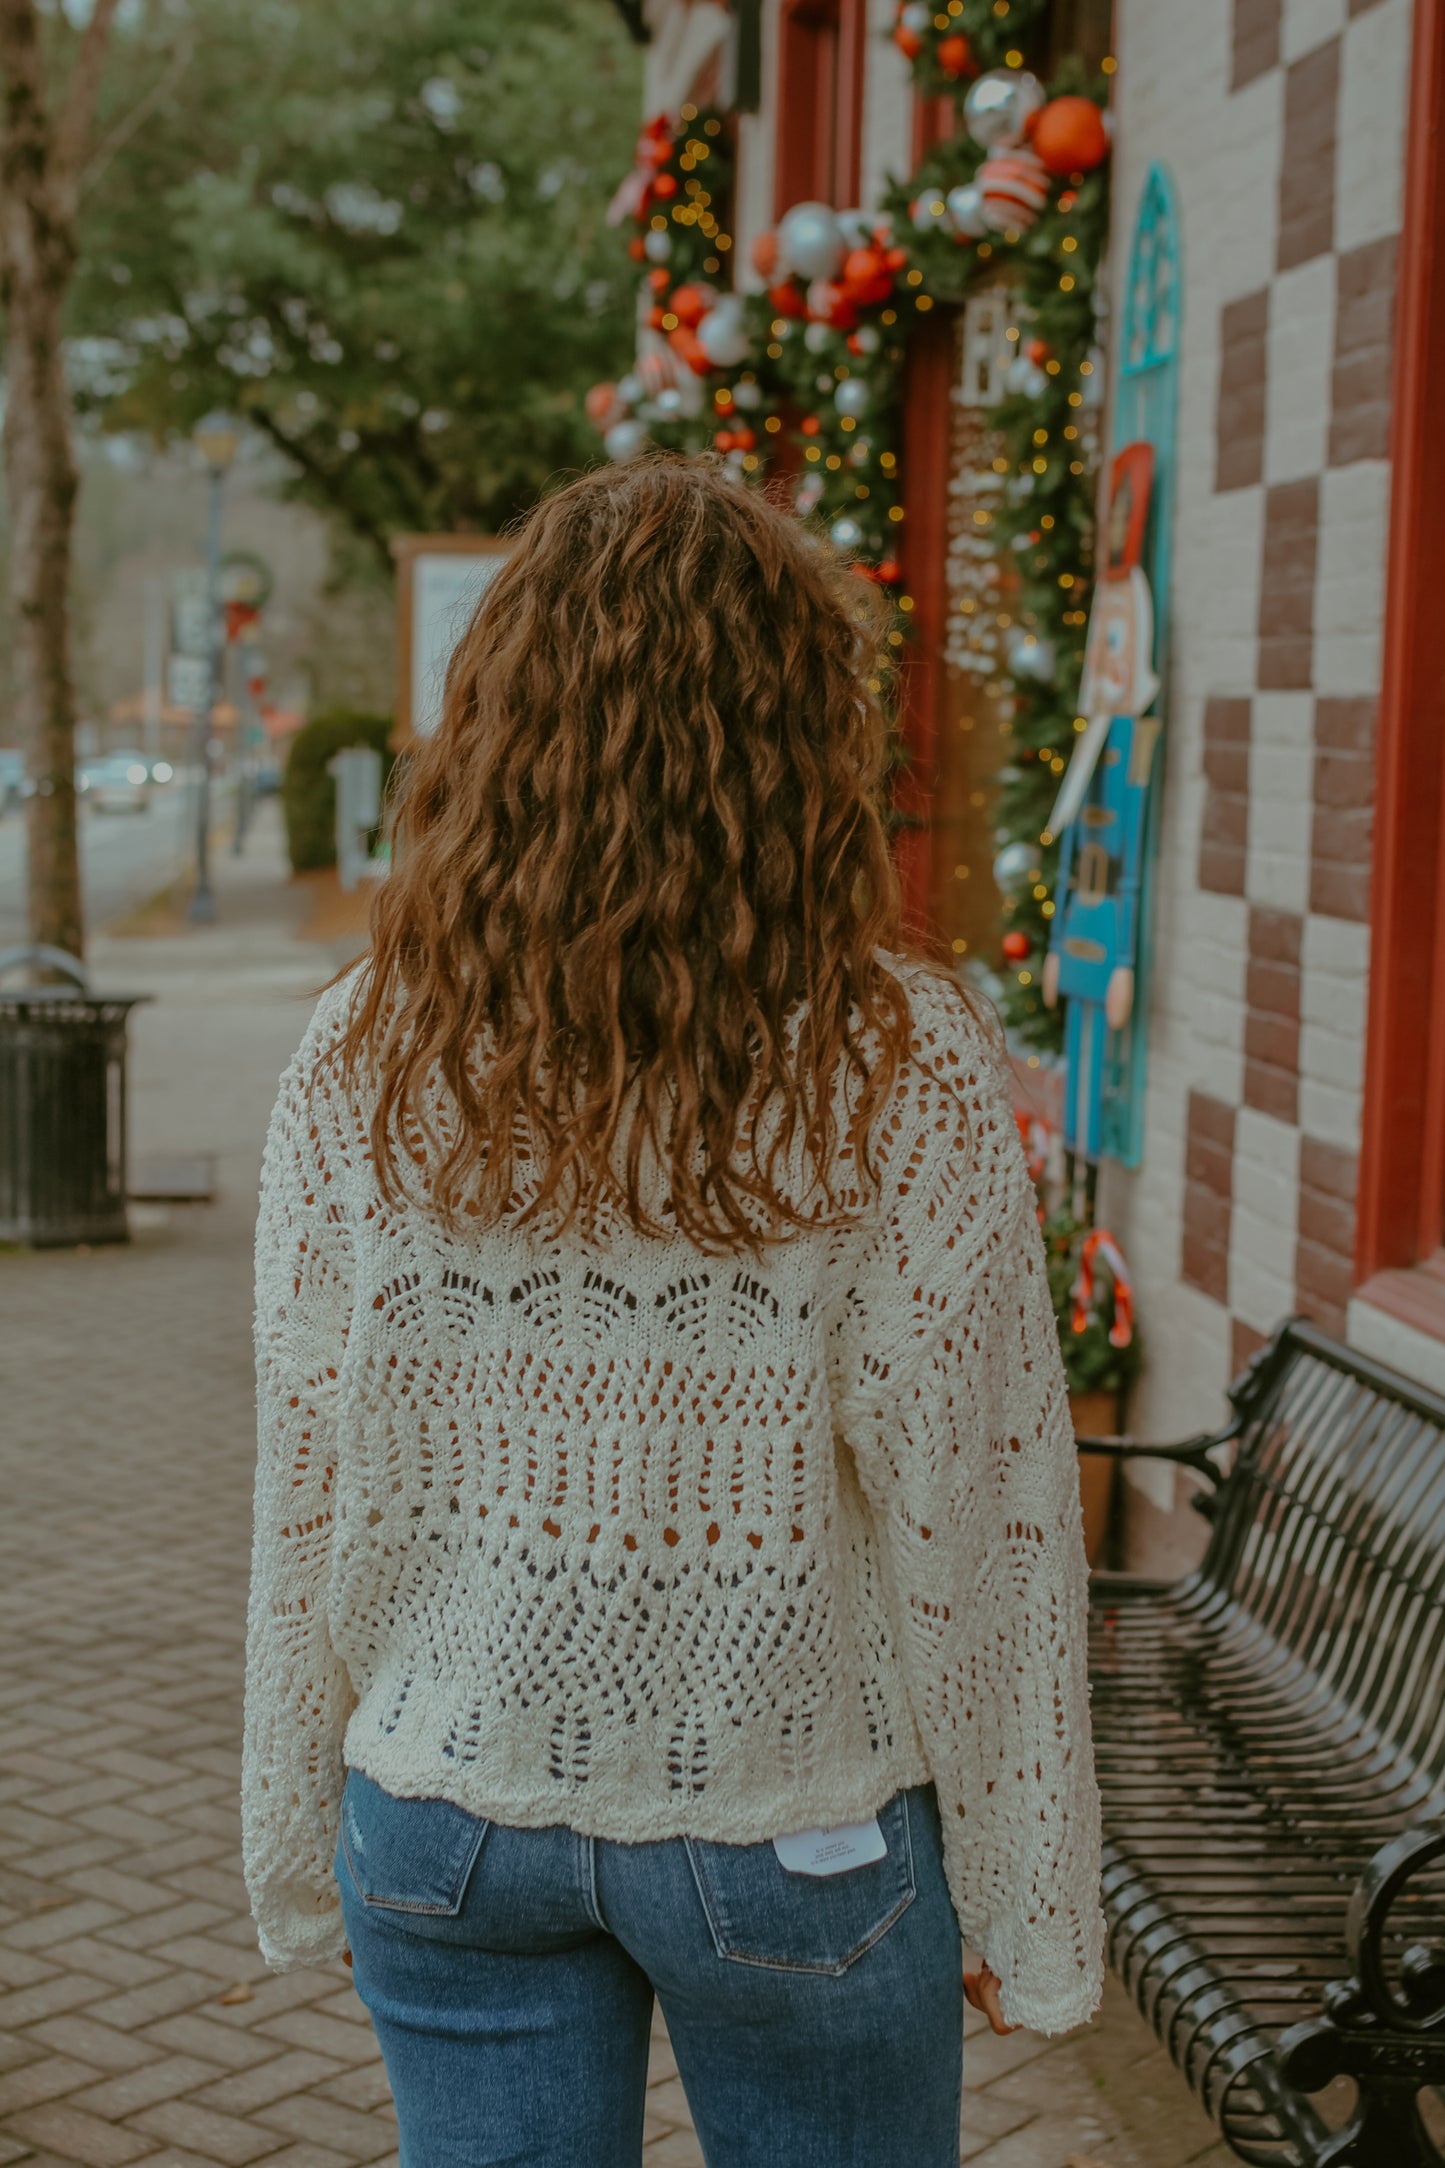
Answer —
377 231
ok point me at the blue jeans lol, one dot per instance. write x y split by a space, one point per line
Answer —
817 2021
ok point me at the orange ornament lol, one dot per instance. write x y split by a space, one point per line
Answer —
637 249
599 402
686 343
1070 136
1016 946
690 305
831 304
664 185
654 319
788 299
658 279
810 425
890 570
743 440
896 258
723 441
866 276
764 253
955 56
909 43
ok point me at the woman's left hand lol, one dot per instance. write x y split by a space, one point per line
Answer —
981 1990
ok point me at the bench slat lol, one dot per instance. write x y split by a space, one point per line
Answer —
1264 1727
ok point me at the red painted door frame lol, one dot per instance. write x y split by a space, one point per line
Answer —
927 384
822 56
1402 1158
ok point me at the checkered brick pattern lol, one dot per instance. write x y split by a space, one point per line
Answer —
1283 124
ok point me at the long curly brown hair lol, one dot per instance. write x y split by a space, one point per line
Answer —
642 896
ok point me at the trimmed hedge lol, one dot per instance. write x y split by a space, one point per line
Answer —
308 794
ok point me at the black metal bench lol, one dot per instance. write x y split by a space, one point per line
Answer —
1271 1746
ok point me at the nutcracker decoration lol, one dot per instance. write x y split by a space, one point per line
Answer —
1099 815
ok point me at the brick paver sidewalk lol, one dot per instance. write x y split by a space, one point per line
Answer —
136 2019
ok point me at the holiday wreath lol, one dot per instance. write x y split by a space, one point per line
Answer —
814 362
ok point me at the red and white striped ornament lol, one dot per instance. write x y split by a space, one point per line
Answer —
1015 187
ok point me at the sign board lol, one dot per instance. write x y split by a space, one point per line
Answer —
190 614
440 580
188 682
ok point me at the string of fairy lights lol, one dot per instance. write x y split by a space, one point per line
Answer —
1015 200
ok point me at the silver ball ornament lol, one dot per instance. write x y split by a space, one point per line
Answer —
851 397
629 388
915 17
930 213
809 242
1023 375
668 404
722 334
966 215
1031 657
1012 866
867 339
999 106
747 395
624 440
845 533
818 337
657 247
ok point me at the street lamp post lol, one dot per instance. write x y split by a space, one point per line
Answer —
216 439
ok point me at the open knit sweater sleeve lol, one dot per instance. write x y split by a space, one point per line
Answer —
955 1406
298 1693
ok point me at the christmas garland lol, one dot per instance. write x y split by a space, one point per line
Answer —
815 362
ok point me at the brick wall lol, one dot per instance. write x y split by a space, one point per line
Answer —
1282 123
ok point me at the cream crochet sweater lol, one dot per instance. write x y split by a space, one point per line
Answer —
653 1544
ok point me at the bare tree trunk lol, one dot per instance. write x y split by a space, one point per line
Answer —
40 163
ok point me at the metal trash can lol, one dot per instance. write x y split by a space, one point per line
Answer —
62 1106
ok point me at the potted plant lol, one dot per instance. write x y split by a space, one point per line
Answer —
1093 1304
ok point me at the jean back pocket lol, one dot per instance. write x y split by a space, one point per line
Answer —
760 1914
408 1855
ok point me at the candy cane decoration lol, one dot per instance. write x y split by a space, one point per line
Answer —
1100 1243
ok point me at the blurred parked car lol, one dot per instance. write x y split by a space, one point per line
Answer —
12 780
118 783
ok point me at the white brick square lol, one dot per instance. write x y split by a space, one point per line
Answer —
1301 358
1374 95
1331 950
1375 1332
1277 863
1307 23
1218 545
1264 1225
1334 993
1329 1113
1350 586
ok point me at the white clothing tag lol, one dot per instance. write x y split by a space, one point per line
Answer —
832 1851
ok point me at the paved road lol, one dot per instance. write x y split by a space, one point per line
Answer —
137 2022
124 859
